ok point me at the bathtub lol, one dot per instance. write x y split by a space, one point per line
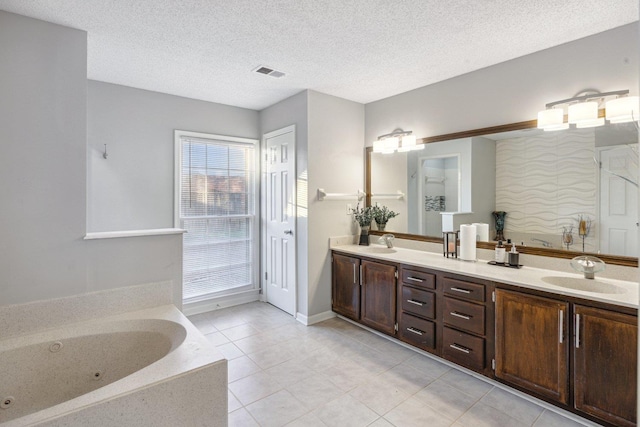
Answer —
149 367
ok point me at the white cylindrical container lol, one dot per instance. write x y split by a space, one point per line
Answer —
468 242
482 231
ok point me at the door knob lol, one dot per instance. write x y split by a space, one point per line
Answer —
289 232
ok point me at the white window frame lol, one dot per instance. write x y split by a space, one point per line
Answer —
237 293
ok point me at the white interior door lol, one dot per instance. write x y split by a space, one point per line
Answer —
280 219
618 202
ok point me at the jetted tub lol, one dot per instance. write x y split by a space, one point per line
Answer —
113 371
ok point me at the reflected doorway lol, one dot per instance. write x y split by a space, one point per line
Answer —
439 191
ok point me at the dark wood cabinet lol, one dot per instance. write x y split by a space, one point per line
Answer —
417 315
345 292
364 291
467 322
531 343
605 369
578 354
378 296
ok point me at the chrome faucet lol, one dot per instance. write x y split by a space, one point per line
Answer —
544 242
387 239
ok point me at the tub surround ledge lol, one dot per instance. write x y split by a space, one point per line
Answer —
133 233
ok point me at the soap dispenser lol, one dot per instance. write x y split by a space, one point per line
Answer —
500 253
514 256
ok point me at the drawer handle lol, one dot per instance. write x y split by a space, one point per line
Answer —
577 330
464 291
415 331
415 279
462 316
459 348
415 302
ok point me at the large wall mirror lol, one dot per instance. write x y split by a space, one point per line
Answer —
547 182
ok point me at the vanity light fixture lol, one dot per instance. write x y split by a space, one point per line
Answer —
398 140
582 110
624 109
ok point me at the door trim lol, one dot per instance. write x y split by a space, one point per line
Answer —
263 213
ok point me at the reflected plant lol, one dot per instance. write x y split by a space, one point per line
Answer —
363 216
382 215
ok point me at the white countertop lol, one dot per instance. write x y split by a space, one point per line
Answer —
526 277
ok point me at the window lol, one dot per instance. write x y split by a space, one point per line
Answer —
216 202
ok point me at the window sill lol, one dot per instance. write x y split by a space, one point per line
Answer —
133 233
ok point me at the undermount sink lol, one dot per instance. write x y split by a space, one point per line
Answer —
378 250
586 285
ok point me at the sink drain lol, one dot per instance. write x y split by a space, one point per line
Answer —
97 375
7 402
55 347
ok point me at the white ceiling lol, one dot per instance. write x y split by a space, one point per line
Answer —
362 50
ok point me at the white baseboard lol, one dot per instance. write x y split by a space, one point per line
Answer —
218 303
316 318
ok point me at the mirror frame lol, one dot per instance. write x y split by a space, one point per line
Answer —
556 253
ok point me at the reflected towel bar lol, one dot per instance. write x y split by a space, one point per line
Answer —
397 195
323 195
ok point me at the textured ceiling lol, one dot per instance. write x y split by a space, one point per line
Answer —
362 50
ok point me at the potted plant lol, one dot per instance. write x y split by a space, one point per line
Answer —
382 215
363 216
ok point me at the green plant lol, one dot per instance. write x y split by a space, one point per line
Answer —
363 216
382 214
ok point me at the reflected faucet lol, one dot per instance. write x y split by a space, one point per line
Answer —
387 239
544 242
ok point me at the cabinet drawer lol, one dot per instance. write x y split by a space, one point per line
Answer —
419 278
463 349
418 302
461 289
464 315
418 332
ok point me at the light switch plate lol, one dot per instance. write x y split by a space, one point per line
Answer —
349 207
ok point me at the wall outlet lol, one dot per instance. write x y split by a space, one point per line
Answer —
349 207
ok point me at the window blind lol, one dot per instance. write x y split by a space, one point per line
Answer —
217 204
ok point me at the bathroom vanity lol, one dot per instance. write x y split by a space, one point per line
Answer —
556 336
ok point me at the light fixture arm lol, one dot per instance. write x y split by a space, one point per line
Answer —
397 132
594 94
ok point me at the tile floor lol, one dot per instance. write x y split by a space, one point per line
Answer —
337 374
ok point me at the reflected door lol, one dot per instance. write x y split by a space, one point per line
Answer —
280 219
618 201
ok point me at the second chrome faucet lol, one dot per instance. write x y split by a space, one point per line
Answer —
387 239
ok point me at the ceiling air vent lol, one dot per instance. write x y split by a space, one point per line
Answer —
269 71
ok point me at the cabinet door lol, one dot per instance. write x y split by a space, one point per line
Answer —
605 365
345 292
531 345
378 300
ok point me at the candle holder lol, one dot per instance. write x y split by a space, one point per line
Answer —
450 243
567 236
584 227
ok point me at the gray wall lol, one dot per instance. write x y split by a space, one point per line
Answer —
336 163
329 135
43 169
133 188
293 111
43 85
512 91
